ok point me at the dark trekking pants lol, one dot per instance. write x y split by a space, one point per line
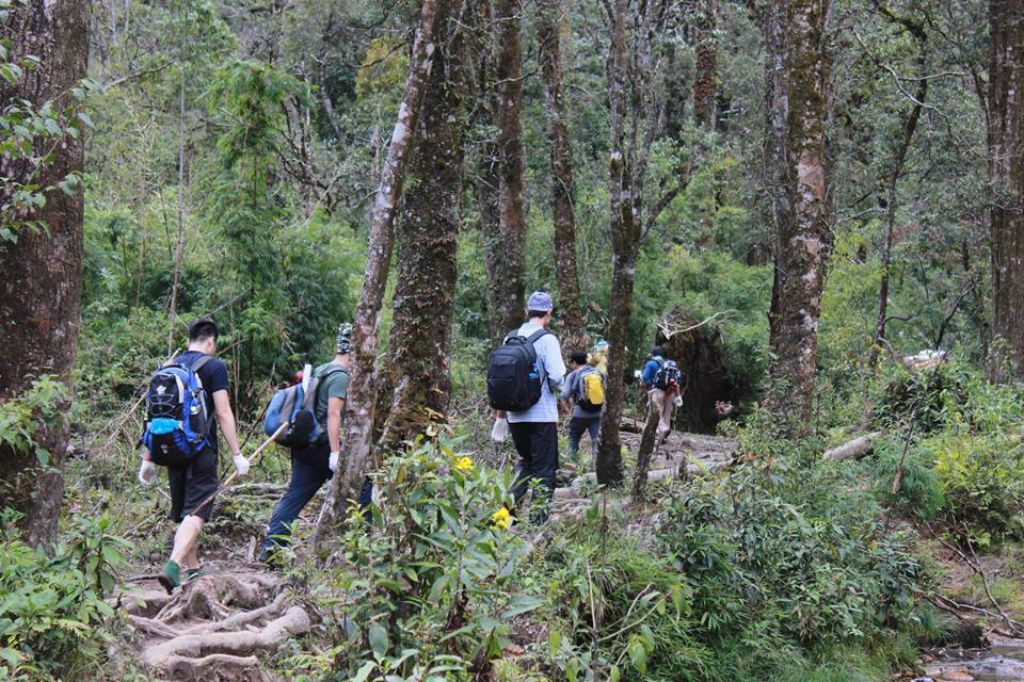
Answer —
537 445
577 425
309 473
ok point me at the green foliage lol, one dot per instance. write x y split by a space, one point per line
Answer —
29 136
783 558
21 417
926 398
428 577
53 618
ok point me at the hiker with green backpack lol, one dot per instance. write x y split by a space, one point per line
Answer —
313 411
585 387
186 400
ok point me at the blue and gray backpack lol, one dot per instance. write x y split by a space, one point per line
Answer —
296 405
177 424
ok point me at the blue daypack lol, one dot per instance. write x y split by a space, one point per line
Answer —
177 422
296 405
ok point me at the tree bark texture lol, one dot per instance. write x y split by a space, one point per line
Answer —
705 21
421 331
40 273
508 246
1006 171
916 27
549 17
804 229
630 66
361 392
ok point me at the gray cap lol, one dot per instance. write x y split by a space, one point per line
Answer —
540 301
343 344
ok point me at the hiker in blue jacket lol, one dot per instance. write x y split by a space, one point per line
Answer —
664 390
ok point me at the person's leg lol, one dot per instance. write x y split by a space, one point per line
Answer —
665 421
366 493
186 542
577 425
594 427
306 480
658 401
545 459
521 433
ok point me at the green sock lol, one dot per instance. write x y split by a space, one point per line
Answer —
173 572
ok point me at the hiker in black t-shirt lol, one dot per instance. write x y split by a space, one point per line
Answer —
194 480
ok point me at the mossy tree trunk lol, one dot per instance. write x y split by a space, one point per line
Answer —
705 23
41 272
361 393
421 333
1006 171
804 219
549 18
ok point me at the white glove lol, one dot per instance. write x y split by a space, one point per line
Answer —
147 473
499 431
241 464
332 462
678 401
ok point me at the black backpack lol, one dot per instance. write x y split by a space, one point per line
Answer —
177 425
668 375
513 377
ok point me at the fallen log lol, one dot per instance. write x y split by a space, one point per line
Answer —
855 449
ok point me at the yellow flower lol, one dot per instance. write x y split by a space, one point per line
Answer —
464 464
501 518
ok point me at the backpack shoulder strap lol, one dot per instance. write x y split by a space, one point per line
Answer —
534 337
199 363
315 393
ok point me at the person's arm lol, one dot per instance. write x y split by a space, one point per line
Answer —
567 386
226 420
335 408
650 369
554 366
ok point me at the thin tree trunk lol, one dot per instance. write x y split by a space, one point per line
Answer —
173 312
509 244
706 56
804 239
564 215
644 452
359 417
421 332
40 273
899 159
1006 171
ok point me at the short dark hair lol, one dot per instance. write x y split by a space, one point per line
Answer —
579 357
657 351
202 329
532 314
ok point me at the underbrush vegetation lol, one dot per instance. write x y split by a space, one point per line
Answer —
53 617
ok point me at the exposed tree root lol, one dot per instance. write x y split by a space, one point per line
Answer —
214 666
209 598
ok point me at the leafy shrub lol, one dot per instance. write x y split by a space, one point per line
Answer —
920 490
787 559
983 483
427 578
52 612
927 398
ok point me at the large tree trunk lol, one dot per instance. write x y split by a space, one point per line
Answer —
1006 169
803 237
361 402
40 273
421 333
705 21
507 247
550 55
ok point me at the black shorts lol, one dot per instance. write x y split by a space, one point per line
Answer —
192 484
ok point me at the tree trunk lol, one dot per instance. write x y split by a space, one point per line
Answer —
564 215
803 238
359 416
421 333
40 273
509 244
705 21
1006 170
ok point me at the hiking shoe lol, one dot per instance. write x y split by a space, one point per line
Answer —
170 577
194 573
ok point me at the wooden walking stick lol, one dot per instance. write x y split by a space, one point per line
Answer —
252 458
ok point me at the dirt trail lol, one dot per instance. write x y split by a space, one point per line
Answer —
215 626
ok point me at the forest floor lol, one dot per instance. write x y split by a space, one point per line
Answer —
214 627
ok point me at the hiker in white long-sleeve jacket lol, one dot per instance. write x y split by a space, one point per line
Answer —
524 377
